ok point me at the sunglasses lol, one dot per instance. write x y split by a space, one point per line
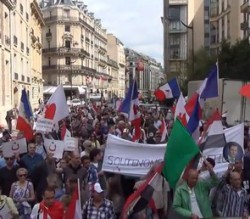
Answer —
22 175
9 158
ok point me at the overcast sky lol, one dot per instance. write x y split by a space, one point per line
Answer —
136 23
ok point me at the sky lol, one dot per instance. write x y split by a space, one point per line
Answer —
137 23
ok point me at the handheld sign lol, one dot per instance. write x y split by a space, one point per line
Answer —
12 147
54 147
44 125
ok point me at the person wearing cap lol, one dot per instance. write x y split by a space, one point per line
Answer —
98 207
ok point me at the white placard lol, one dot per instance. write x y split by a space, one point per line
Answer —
131 158
70 144
54 147
233 134
18 146
44 125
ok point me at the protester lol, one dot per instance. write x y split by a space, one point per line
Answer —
49 208
23 194
8 175
97 206
7 207
31 159
235 202
192 198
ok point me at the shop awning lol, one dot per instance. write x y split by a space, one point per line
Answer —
49 89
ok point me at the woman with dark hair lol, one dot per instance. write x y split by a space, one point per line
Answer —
115 194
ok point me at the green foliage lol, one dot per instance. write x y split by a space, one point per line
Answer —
234 62
202 63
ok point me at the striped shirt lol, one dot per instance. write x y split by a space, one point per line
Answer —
235 202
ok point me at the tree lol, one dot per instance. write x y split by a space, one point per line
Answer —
234 60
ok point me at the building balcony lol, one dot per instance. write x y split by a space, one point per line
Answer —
245 7
61 18
66 51
11 4
244 25
68 69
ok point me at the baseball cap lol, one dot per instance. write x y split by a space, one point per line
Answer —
98 188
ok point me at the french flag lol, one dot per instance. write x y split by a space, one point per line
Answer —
24 117
194 121
74 208
130 107
169 90
56 108
208 89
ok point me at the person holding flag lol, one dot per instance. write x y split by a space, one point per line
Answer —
191 199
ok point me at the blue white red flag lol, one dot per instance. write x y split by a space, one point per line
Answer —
194 120
208 89
24 117
169 90
130 106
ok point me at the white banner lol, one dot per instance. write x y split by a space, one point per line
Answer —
70 144
130 158
12 147
44 125
54 147
234 134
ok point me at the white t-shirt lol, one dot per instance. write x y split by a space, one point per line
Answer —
5 211
194 205
37 213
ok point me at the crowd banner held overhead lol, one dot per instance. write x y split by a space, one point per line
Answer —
180 151
130 158
12 147
54 147
44 125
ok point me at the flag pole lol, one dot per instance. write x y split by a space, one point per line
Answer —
79 192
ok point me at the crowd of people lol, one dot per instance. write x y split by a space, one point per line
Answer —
36 185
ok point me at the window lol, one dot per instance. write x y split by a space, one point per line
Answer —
49 61
67 28
67 61
23 78
16 76
68 44
22 46
27 17
174 12
21 8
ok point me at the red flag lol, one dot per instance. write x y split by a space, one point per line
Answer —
74 209
245 90
140 199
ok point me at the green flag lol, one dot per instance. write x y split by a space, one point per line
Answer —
180 150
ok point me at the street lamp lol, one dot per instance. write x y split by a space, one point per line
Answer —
71 78
166 19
